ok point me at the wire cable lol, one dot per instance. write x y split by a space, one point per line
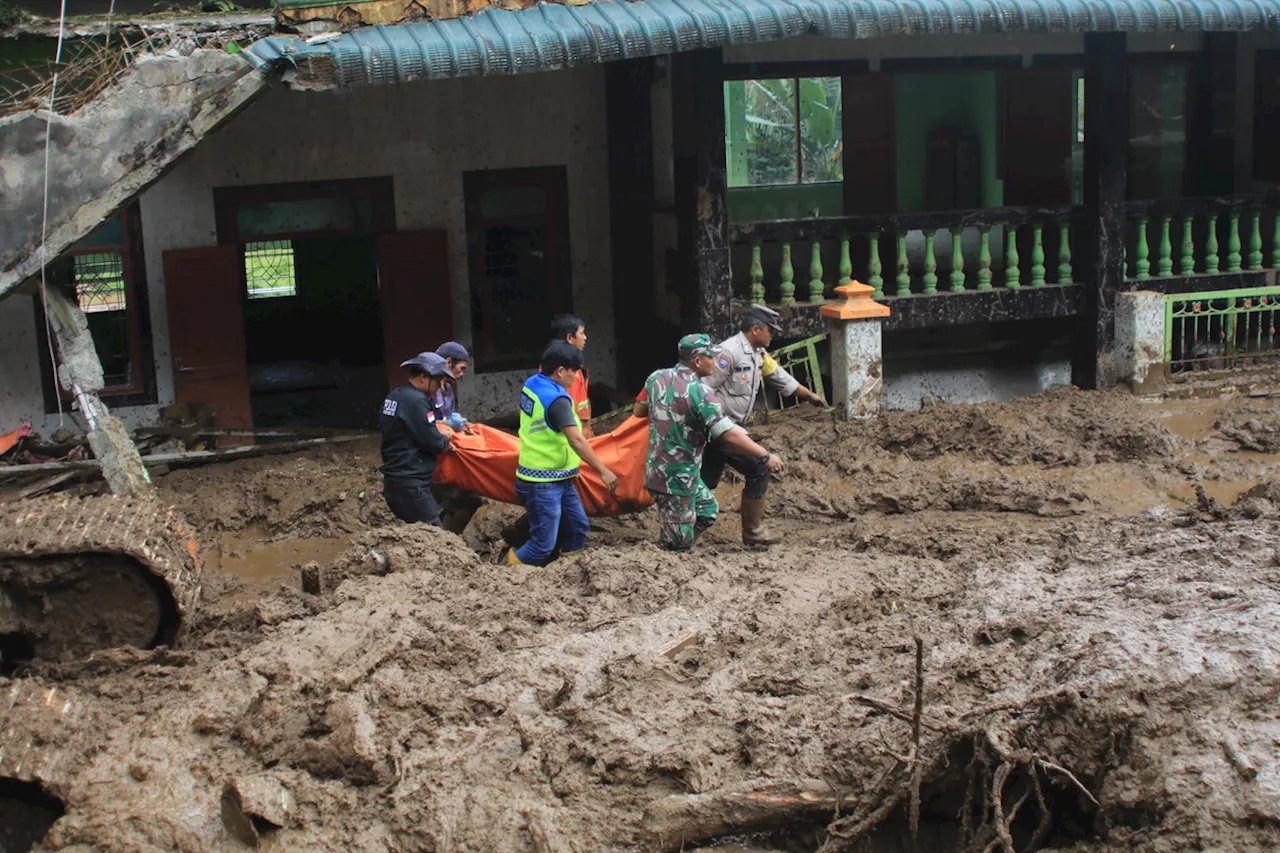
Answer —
44 218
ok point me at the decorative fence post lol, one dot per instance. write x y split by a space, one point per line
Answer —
856 350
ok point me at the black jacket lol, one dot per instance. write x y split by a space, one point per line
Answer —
410 440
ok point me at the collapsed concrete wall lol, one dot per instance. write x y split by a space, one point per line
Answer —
106 153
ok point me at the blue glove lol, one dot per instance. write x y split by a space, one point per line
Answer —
456 422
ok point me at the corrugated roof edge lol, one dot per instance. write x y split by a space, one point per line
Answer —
551 36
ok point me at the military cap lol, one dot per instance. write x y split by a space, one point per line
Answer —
698 344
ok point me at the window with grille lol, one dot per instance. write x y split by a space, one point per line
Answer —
104 274
99 282
269 269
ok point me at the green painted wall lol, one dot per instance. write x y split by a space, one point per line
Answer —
792 202
923 102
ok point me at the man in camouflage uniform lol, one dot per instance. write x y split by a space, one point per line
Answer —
684 417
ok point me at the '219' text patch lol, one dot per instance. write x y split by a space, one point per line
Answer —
389 407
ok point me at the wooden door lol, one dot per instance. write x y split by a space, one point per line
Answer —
417 301
1038 129
870 145
206 332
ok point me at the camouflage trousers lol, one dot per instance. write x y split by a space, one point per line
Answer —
682 517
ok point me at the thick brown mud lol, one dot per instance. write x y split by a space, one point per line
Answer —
1094 583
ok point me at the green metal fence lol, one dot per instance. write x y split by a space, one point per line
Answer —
1219 330
801 361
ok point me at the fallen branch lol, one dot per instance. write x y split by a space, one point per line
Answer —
681 821
895 711
1056 768
916 771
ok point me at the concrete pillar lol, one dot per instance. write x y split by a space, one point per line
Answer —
1140 341
856 350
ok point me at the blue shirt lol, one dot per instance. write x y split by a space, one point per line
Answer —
446 400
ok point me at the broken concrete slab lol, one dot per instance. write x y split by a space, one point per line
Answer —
106 153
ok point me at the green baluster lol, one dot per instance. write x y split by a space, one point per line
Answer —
1142 265
875 269
846 265
904 273
1187 249
815 273
1211 246
984 257
757 275
1011 272
1255 242
957 262
1233 243
788 286
930 265
1064 253
1037 255
1275 243
1164 264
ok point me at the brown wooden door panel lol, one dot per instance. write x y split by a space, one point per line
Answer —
870 144
206 331
1038 128
417 303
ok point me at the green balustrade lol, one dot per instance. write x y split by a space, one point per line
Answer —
930 265
984 257
1164 261
757 275
1211 246
815 273
1142 266
1011 272
957 262
788 286
846 264
1275 243
1255 241
1037 255
904 271
1064 253
1233 242
875 270
1187 248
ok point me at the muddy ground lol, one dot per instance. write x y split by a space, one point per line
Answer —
1094 583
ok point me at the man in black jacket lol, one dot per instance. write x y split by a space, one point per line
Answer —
411 442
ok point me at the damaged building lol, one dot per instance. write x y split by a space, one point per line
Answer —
267 216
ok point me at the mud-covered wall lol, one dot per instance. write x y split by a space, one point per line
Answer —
423 135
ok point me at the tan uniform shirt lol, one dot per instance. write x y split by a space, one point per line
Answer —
739 370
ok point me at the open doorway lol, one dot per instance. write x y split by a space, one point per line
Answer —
313 330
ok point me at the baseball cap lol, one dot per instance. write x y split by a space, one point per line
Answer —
431 364
765 317
698 344
453 350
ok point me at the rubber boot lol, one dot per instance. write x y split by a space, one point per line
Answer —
512 559
753 532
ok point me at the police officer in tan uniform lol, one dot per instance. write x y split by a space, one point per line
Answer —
743 364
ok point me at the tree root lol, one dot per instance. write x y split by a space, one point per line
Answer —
997 770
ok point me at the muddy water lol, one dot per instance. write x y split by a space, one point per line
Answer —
264 565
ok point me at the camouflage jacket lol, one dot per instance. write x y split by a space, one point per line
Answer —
684 415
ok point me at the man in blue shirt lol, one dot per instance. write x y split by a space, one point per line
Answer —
411 442
456 359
